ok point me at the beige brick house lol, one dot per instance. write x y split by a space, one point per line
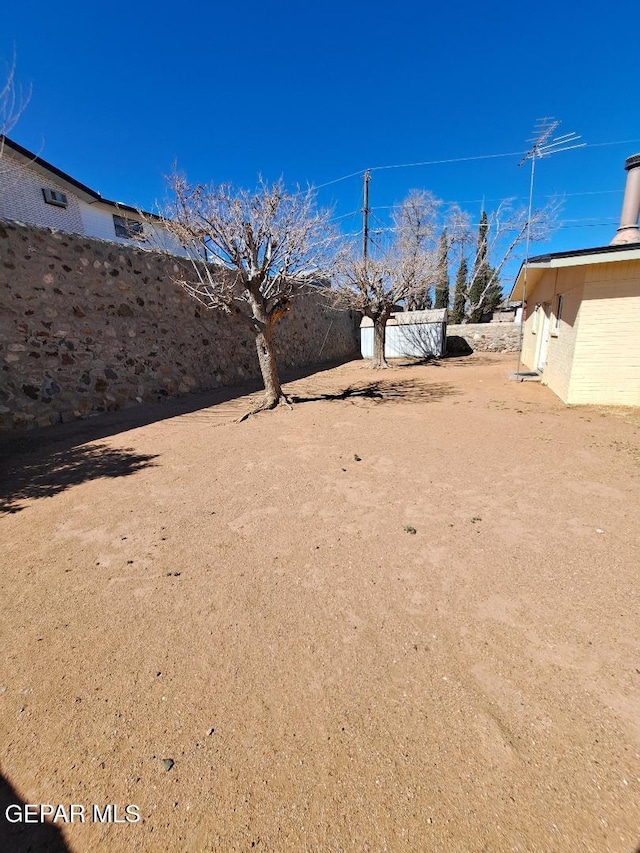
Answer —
582 329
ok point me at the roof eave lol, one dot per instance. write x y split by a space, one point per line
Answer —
81 190
579 257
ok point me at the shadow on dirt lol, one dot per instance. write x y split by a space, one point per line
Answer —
386 391
25 837
457 345
45 474
43 462
475 359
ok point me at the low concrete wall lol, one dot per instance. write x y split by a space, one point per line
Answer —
90 326
483 337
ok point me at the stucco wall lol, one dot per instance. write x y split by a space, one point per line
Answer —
89 326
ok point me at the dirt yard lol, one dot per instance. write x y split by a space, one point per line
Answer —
402 616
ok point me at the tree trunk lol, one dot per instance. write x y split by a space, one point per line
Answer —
379 337
268 368
263 320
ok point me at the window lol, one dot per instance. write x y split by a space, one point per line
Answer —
535 319
555 326
129 228
54 197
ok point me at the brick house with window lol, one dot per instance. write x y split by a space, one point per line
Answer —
583 316
35 192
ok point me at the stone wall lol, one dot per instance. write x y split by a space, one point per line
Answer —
483 337
89 326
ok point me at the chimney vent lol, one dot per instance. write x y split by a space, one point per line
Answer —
628 231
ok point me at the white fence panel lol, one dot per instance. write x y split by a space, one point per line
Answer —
411 334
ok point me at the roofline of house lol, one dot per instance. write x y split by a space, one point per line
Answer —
93 196
579 253
579 257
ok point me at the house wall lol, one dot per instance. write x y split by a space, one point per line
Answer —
21 198
88 326
97 221
594 353
564 333
569 282
606 363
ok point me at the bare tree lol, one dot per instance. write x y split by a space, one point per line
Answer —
501 235
402 271
262 248
13 102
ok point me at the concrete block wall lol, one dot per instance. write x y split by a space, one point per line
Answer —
88 326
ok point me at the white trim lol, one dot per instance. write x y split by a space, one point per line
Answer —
595 257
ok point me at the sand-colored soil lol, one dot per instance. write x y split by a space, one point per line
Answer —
251 601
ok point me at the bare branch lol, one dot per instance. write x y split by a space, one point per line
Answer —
13 100
506 230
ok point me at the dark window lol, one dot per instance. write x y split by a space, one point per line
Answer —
129 228
54 197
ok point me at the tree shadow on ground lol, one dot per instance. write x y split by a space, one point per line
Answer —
475 359
386 391
26 837
105 424
414 361
43 462
45 474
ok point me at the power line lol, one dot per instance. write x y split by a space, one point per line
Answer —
591 219
589 224
361 172
586 222
560 141
441 162
345 215
603 144
619 192
337 180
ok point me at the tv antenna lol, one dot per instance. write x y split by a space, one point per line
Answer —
544 144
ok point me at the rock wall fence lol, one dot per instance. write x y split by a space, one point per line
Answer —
483 337
89 326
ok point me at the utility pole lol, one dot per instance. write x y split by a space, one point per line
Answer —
365 217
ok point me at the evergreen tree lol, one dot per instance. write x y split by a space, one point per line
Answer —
460 293
442 274
493 296
485 292
481 274
420 301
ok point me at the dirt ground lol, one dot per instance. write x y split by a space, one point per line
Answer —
402 616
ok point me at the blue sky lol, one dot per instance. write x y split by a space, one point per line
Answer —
120 91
